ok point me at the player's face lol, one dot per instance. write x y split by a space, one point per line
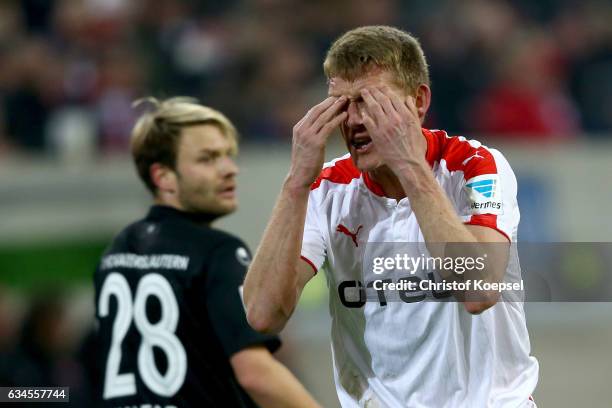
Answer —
356 137
205 171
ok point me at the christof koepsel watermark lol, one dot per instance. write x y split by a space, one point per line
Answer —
429 285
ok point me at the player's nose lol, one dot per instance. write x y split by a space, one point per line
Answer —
228 167
354 118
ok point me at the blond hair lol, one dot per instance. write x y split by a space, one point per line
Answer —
157 132
394 50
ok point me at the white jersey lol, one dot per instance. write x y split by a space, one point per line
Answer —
420 354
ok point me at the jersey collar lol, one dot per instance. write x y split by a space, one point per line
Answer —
161 212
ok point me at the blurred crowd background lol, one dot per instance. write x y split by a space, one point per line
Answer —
521 68
519 71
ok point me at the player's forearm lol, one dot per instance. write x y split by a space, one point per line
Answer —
446 236
275 386
437 218
271 288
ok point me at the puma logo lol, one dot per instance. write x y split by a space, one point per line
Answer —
341 228
471 157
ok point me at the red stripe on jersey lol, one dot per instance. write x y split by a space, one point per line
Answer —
434 141
487 220
459 154
309 262
341 172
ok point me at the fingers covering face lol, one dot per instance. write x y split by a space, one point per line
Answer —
321 111
335 122
383 100
373 106
383 103
319 122
331 113
314 112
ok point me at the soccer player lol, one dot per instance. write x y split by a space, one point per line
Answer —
398 183
172 326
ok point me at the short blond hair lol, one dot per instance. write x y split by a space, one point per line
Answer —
157 132
394 50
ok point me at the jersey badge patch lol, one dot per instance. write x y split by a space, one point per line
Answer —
484 194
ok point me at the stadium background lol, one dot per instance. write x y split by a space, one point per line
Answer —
533 78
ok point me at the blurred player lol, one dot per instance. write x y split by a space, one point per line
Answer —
399 183
172 327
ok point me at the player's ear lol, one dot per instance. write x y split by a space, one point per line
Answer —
423 100
164 178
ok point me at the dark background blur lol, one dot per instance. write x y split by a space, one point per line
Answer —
538 69
531 77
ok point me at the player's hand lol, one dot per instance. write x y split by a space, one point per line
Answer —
310 136
395 128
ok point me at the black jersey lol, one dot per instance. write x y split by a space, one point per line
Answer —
170 313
